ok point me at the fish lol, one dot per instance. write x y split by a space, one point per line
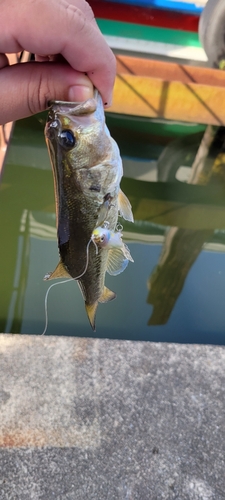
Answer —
118 252
87 171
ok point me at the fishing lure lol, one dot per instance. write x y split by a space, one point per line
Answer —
118 252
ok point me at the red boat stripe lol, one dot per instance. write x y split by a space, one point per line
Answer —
144 15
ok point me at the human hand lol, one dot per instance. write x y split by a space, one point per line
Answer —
70 51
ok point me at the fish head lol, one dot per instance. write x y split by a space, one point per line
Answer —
77 133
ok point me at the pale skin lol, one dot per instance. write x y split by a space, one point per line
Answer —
71 56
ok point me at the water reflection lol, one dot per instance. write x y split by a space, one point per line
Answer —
184 286
182 246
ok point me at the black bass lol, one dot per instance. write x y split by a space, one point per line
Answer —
87 170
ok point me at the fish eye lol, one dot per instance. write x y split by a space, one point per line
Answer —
67 139
102 238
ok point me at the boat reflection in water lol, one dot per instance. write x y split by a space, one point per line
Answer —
175 217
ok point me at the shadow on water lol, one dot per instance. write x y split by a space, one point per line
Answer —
175 290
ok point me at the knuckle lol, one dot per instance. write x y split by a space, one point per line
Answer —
37 92
80 16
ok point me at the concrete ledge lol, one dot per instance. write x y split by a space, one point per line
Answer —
100 419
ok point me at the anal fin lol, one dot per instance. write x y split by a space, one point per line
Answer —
106 295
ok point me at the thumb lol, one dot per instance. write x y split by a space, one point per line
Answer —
26 88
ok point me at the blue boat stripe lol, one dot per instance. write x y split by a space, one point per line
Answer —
164 4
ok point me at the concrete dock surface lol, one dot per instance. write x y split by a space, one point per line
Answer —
85 419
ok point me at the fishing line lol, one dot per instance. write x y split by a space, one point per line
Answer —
66 281
95 244
46 300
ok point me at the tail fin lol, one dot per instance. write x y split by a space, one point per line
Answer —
91 309
91 312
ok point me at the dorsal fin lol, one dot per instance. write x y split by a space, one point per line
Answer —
59 272
125 207
126 252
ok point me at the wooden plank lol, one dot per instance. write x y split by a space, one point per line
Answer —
169 90
169 71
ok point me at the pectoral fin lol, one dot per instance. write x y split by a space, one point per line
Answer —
125 207
104 209
59 272
103 212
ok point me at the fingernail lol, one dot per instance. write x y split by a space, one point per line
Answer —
108 103
79 93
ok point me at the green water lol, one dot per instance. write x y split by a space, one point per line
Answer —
180 301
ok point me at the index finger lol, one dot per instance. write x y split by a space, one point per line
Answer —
64 27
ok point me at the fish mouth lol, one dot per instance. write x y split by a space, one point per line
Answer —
96 239
52 128
75 108
70 104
